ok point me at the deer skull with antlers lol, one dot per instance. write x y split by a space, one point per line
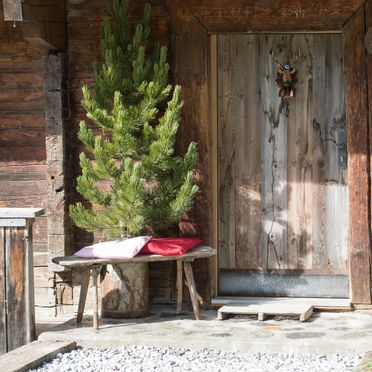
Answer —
286 76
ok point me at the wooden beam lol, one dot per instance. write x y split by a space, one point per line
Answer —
189 50
213 73
368 19
358 160
284 15
59 227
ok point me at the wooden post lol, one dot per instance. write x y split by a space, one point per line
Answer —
95 273
85 277
179 286
195 297
358 160
55 105
17 312
368 18
189 49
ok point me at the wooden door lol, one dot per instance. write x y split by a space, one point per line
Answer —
282 179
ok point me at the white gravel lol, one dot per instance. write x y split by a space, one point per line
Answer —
143 358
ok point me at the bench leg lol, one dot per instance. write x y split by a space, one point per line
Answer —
95 272
194 295
85 276
179 286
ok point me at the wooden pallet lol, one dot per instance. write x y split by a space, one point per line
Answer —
303 311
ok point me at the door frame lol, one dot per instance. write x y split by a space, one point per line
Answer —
194 52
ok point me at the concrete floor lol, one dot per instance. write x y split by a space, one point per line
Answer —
325 332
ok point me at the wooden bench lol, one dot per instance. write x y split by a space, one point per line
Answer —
91 267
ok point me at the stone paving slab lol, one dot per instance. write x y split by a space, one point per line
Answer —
326 332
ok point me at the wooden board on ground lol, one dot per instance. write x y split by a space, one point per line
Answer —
303 311
33 355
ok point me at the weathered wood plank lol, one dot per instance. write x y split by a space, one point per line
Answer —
303 311
189 49
273 157
358 163
15 287
195 298
73 261
284 15
3 328
368 18
247 149
98 10
336 235
12 10
20 212
227 110
59 228
33 355
12 222
317 120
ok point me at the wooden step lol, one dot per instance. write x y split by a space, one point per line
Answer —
317 303
33 355
303 311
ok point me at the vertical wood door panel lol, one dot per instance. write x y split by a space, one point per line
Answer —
283 198
3 338
16 283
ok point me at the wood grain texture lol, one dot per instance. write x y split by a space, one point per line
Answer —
273 158
17 324
359 167
33 355
227 110
248 151
98 10
3 328
189 49
12 10
59 229
368 18
279 169
258 15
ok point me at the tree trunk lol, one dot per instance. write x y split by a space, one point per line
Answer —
125 291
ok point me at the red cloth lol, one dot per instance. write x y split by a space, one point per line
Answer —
170 246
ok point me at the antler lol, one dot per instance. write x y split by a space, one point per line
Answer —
295 58
275 57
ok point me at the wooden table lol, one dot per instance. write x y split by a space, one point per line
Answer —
92 267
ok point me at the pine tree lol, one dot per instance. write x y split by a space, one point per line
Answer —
129 172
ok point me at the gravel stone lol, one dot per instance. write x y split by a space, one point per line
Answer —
149 359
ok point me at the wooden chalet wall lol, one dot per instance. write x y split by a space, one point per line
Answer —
22 140
186 26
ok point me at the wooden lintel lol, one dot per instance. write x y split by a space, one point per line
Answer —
285 15
13 10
